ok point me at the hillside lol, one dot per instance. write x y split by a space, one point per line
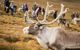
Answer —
11 34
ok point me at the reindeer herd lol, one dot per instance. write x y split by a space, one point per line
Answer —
55 38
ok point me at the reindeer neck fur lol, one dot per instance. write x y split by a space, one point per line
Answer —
48 35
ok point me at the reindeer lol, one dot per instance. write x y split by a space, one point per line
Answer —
53 37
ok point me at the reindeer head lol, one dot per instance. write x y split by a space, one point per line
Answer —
38 26
34 28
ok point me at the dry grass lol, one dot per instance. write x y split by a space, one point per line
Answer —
11 35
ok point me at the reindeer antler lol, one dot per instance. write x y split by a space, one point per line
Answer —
47 11
62 11
27 18
44 21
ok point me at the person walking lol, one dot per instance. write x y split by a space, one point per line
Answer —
24 7
12 7
6 6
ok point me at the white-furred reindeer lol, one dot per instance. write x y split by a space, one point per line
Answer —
54 37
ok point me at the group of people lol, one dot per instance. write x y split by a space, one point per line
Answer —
74 17
9 6
36 10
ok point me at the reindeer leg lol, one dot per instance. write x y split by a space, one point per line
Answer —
42 43
58 47
50 47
